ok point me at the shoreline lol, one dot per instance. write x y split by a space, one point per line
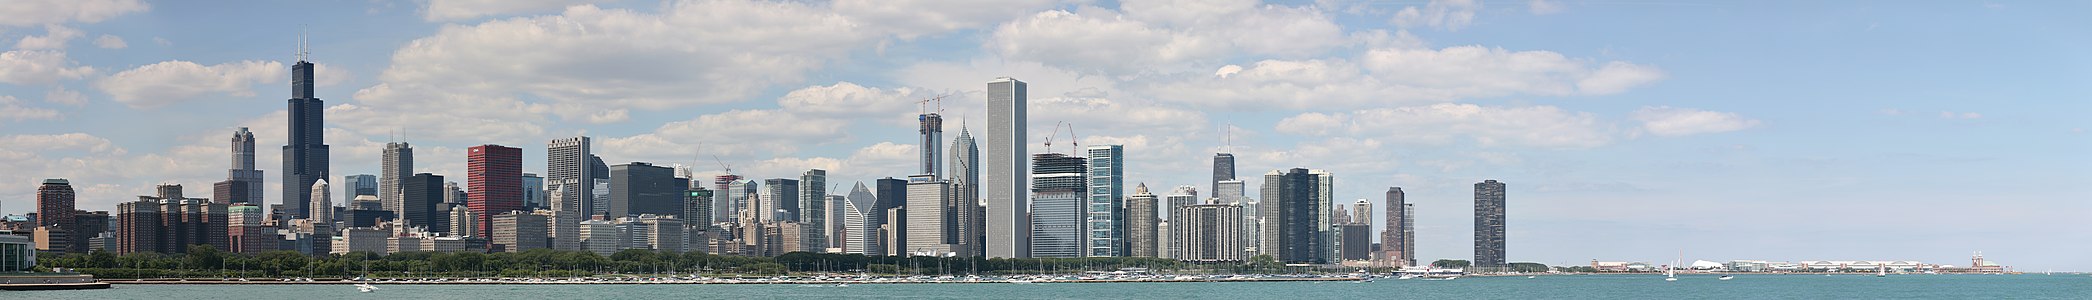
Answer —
705 282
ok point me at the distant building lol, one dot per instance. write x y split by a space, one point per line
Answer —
243 182
965 176
397 168
1396 239
601 237
534 192
1105 207
861 222
169 223
419 196
1059 190
1355 241
1141 219
813 211
516 231
1002 184
1223 170
780 200
55 209
358 185
1489 224
495 179
1208 232
571 165
247 231
305 155
1291 209
17 253
929 217
640 188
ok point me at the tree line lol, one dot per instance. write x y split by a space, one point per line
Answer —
204 261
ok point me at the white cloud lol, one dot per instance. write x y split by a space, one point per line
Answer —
1544 7
454 10
1445 14
1960 115
1317 124
177 81
846 99
1150 37
910 18
39 67
1671 121
11 110
692 52
1404 75
110 42
1447 123
743 134
39 12
54 38
60 95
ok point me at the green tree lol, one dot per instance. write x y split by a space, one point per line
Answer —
1450 263
1528 267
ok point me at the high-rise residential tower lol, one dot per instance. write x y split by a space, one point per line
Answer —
813 210
55 203
1003 170
1059 189
398 166
495 181
1106 206
305 157
1394 236
1141 218
1290 213
1489 224
931 127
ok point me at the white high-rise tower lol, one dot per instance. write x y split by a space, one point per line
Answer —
1003 170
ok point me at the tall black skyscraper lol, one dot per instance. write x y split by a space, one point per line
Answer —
1223 170
1291 231
305 157
1489 224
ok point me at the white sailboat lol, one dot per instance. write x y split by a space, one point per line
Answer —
1670 273
1880 271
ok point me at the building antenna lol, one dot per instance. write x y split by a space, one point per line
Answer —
304 47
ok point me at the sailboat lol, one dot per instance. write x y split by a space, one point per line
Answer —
364 286
1727 277
1670 273
1880 271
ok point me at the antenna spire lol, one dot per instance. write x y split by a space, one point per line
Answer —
304 45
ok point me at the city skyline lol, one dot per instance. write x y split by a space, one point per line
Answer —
1615 136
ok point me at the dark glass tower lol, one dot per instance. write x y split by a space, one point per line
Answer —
1223 170
1489 224
305 157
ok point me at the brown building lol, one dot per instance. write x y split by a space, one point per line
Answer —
169 223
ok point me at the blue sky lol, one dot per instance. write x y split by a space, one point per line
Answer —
1626 130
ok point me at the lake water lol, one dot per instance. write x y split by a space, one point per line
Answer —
1545 287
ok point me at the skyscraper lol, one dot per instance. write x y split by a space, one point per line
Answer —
931 126
322 206
243 183
495 179
1489 224
780 201
1289 209
813 210
419 196
534 191
1003 169
568 165
641 188
1394 237
1223 169
836 211
55 203
398 166
357 185
1207 232
1141 219
1059 189
725 206
1174 203
1106 204
305 157
928 217
861 222
965 176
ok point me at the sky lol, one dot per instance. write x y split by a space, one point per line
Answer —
1626 130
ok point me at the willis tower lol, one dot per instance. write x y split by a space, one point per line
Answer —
305 158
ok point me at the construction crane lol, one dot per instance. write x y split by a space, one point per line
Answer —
729 169
925 103
1074 141
1051 134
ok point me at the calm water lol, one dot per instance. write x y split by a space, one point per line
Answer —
1545 287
